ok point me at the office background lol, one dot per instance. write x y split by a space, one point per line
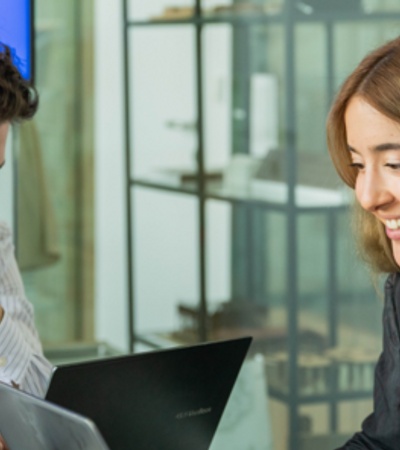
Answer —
78 281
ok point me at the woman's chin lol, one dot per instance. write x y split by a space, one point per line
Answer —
396 251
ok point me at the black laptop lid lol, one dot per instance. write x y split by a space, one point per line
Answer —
170 399
29 423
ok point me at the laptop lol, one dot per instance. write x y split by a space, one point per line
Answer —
168 399
27 422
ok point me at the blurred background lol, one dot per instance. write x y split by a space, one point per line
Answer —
175 187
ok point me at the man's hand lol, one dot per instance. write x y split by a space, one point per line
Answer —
3 445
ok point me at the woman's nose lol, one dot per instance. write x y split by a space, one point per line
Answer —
372 191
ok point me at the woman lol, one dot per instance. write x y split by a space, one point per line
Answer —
363 131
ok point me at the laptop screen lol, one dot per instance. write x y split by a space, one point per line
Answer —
169 399
27 422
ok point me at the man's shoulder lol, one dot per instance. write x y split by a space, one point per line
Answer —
5 230
5 237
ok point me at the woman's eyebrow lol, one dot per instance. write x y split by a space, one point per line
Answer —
387 146
380 147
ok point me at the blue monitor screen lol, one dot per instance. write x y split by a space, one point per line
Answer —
16 32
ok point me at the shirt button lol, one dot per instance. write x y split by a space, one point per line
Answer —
3 361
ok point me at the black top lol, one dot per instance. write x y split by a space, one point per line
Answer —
381 429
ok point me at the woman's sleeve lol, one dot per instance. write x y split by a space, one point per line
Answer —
22 363
381 429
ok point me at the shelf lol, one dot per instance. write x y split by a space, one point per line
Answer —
76 352
270 260
247 19
157 341
257 19
169 186
321 398
328 17
162 341
274 195
308 203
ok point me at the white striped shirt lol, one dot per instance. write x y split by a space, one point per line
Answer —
21 357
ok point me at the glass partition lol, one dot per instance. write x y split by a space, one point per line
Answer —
277 258
54 183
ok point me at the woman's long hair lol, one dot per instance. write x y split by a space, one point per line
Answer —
377 80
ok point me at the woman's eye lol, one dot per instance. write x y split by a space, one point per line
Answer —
357 166
394 166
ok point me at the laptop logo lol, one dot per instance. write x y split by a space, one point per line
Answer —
193 413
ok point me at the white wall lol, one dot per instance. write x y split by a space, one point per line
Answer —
110 241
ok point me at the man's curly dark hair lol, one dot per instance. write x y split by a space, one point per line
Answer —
18 98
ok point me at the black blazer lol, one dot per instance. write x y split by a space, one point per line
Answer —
381 429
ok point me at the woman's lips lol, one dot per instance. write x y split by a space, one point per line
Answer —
394 235
393 229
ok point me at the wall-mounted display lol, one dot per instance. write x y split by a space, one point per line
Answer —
16 31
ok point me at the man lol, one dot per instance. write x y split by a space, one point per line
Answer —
22 363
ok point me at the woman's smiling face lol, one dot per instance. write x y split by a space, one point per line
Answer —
374 143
